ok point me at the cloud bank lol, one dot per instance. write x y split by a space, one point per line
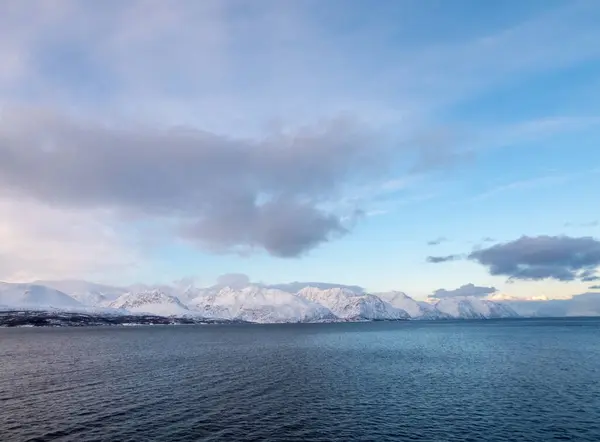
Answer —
561 258
38 241
297 286
465 290
241 280
224 193
233 280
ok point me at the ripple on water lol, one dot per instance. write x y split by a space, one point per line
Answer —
529 380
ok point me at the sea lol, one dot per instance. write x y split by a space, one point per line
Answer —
489 380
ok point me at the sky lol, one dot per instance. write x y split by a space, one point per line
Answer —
424 146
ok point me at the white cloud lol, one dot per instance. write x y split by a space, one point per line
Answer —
205 62
41 242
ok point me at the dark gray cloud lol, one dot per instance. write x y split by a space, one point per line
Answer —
225 194
440 259
589 275
595 287
465 290
437 241
542 257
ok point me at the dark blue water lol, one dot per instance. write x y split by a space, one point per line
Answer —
506 380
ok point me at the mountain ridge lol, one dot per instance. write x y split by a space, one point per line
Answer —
252 303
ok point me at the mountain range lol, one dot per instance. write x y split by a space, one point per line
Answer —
252 303
312 302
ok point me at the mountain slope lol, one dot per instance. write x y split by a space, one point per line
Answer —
416 310
264 304
350 305
153 302
470 307
34 296
87 293
259 304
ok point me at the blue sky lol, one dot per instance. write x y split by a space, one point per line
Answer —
478 120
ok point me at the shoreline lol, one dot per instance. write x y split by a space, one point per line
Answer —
59 319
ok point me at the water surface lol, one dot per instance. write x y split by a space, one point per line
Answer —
520 380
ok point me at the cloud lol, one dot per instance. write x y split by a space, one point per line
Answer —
562 258
586 224
465 290
585 304
41 242
440 259
437 241
545 181
296 286
589 275
191 56
233 280
225 193
595 287
241 280
231 187
439 148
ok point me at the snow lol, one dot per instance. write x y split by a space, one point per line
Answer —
348 304
416 310
259 304
153 302
20 295
470 307
87 293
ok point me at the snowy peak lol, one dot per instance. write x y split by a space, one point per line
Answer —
151 301
255 303
259 304
415 310
350 305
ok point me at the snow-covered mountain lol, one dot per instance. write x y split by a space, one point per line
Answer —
416 310
264 304
350 305
259 304
153 302
470 307
87 293
22 295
